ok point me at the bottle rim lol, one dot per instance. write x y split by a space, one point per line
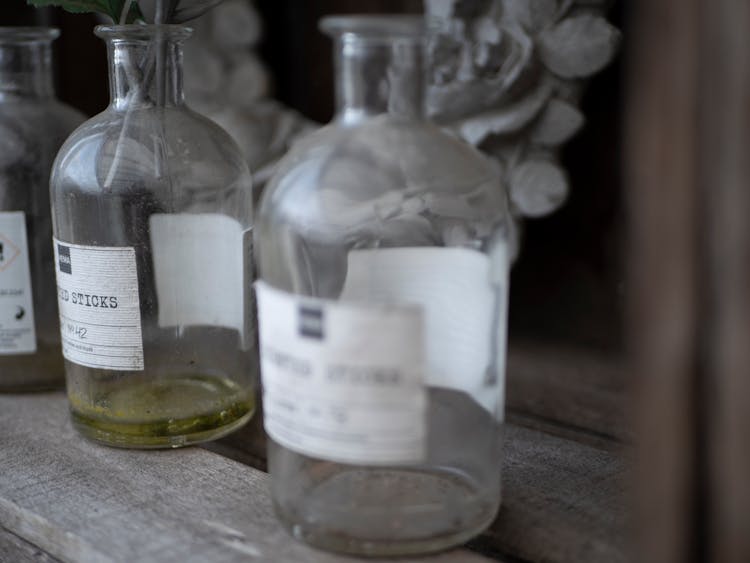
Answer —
28 34
143 32
380 26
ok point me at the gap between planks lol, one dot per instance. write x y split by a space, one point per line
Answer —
17 550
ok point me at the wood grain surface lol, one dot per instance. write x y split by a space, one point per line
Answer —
565 492
16 550
81 502
563 501
564 485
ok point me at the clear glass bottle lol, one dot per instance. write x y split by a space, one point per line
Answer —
33 125
152 221
382 252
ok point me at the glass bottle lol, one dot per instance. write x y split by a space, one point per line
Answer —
382 252
152 221
33 125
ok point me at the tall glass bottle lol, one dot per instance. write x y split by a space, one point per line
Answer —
33 125
152 216
382 254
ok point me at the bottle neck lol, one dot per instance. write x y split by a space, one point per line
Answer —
145 66
377 76
26 69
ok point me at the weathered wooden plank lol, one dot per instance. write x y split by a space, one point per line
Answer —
564 495
724 160
573 433
577 388
664 242
563 501
16 550
85 503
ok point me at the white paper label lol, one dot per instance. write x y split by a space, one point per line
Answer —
342 382
100 316
200 264
460 297
17 334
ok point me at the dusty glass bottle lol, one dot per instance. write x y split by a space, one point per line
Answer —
383 275
152 222
33 125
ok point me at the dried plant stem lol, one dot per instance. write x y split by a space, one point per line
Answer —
136 91
125 11
161 17
139 86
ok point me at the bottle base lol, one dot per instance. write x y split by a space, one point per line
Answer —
391 512
165 413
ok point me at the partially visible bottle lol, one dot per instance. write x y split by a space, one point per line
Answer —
33 125
382 248
152 209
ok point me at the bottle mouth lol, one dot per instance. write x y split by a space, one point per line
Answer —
388 26
28 34
143 32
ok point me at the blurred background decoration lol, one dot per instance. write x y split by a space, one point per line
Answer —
677 241
227 81
263 70
508 77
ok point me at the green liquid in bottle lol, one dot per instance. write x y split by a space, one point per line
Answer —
172 411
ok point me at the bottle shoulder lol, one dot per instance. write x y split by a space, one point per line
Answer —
146 148
381 169
25 107
388 137
33 129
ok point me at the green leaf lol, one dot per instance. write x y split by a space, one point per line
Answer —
111 8
179 11
77 6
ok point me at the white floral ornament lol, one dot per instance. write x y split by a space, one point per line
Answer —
226 81
506 76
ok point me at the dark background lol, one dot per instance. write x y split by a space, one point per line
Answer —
567 286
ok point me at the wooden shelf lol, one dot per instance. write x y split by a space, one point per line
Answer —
64 498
